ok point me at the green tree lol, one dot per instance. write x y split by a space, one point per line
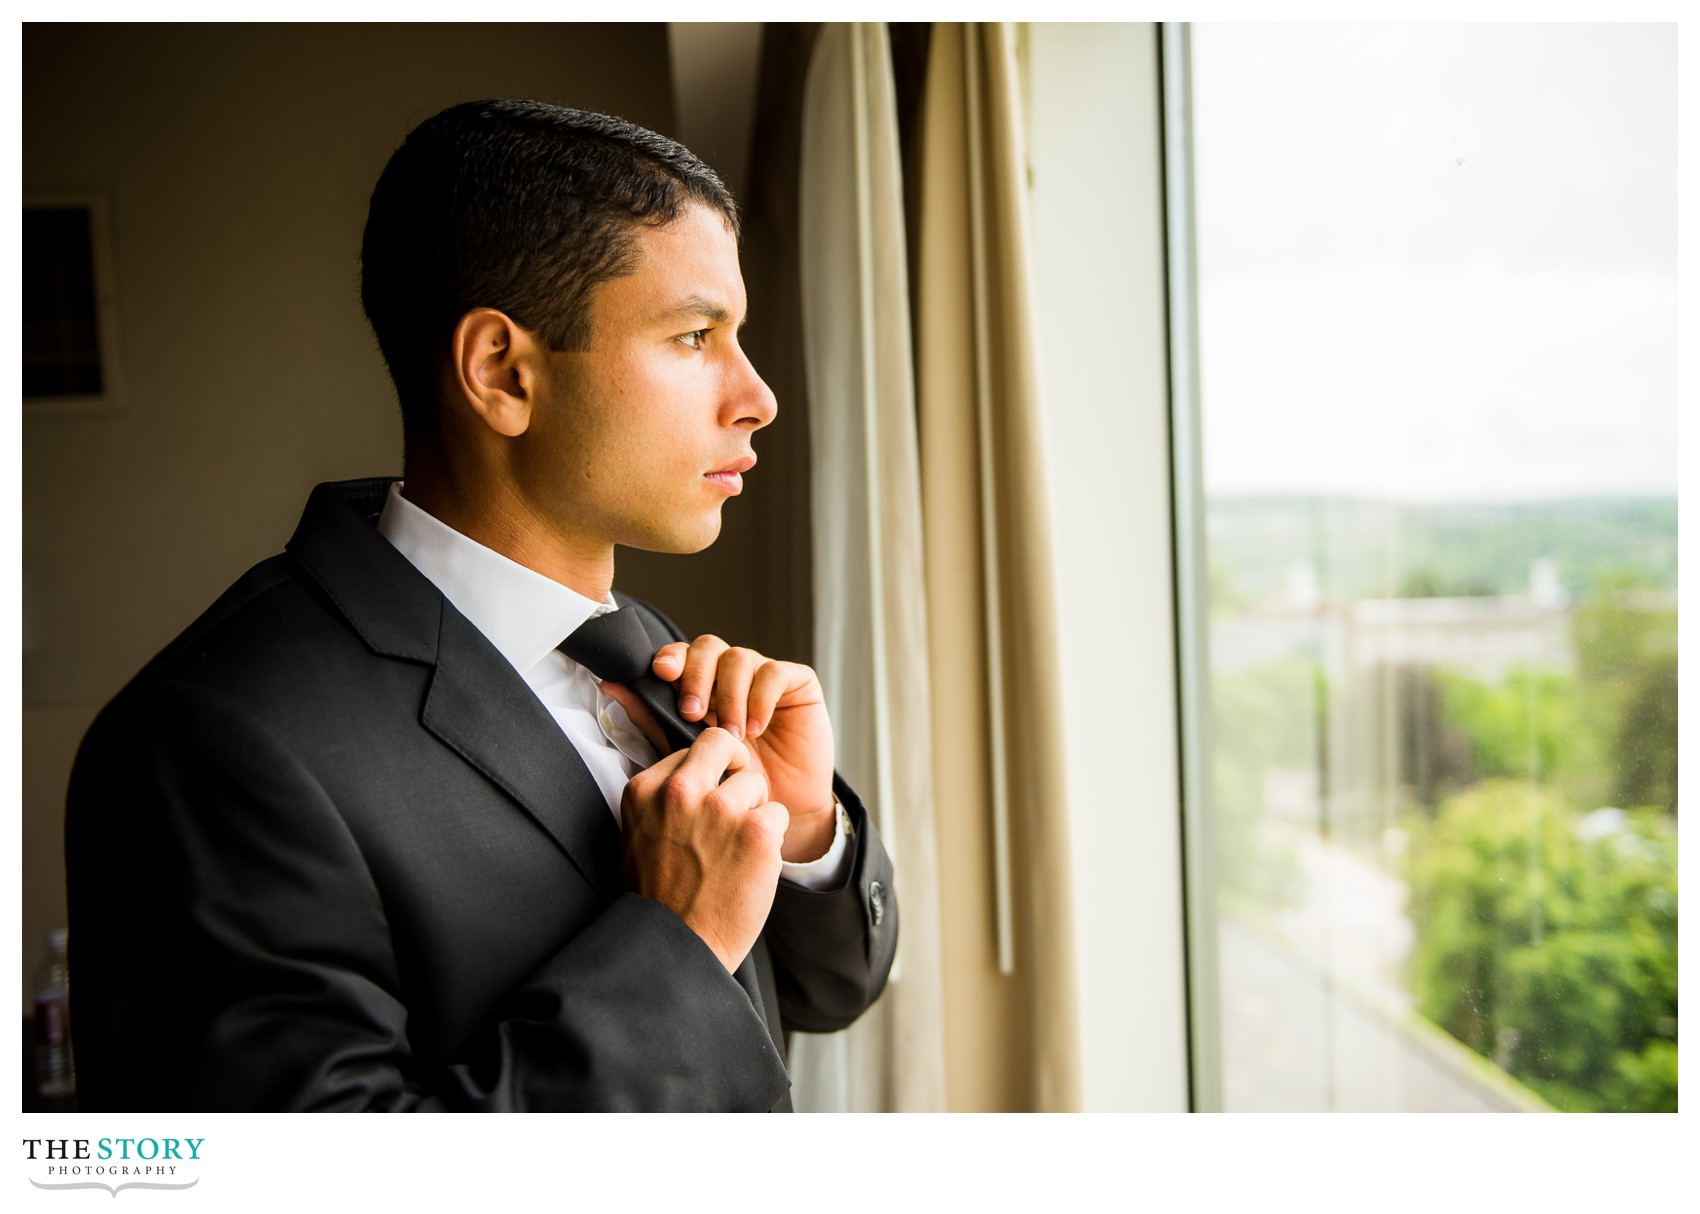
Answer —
1620 625
1626 644
1546 940
1534 725
1646 735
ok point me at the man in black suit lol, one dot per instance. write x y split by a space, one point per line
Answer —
411 817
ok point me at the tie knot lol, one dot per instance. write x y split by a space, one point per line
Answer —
615 647
612 645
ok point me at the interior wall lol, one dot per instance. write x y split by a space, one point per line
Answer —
1107 418
238 161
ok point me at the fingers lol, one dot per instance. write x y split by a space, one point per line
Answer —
732 687
730 696
713 757
771 681
691 668
742 792
712 679
669 661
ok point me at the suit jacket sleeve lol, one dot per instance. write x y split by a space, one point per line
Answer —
232 951
833 949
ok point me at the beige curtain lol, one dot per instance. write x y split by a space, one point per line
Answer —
935 628
870 611
1008 935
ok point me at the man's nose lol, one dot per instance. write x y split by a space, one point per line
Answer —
753 402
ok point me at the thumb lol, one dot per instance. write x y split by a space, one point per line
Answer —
640 715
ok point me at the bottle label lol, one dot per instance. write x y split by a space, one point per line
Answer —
52 1025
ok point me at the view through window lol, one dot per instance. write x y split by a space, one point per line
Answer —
1436 321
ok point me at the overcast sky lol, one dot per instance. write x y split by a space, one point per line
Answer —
1437 262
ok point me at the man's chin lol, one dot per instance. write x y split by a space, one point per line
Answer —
681 542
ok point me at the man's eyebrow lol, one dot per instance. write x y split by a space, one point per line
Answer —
694 306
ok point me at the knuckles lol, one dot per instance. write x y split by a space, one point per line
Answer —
676 794
719 804
758 829
707 645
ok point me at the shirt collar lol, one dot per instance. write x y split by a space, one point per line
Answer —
521 612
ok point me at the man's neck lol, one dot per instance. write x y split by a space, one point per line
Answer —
502 523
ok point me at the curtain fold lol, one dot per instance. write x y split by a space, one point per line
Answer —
870 610
934 615
997 712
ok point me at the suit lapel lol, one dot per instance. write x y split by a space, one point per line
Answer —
483 711
477 705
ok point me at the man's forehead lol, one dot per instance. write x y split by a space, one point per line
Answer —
683 271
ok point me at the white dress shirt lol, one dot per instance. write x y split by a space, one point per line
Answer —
525 616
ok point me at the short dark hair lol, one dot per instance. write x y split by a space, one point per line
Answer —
521 206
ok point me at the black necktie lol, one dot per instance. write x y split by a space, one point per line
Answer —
615 647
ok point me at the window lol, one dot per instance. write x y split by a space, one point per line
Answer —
1434 679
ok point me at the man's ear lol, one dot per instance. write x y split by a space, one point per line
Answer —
495 365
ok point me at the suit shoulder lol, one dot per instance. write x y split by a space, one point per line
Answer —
268 597
271 627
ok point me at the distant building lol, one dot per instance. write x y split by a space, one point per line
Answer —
1352 773
1485 638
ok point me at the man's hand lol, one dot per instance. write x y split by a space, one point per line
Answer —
776 707
703 840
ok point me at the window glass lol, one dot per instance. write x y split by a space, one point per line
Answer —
1436 310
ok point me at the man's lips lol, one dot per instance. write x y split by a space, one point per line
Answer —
731 477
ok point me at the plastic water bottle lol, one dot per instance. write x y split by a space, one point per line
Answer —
55 1068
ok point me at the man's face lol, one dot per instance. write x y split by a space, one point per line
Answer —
641 438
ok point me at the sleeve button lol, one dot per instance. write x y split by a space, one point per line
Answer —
876 902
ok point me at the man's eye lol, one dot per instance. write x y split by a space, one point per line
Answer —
695 339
